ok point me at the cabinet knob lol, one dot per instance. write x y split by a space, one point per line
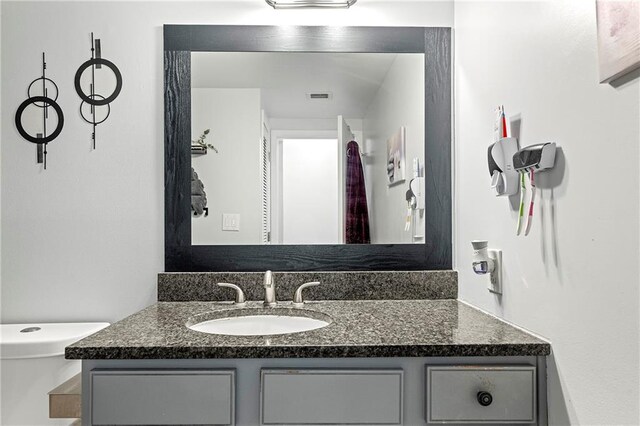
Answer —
484 398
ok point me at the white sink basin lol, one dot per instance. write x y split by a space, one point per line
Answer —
258 325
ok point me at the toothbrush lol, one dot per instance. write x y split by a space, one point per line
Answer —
523 190
497 126
533 196
407 222
503 122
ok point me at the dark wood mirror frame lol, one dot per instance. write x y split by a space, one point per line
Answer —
181 256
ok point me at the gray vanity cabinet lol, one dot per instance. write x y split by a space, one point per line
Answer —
409 391
331 397
162 397
480 394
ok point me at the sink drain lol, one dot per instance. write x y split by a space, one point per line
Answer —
30 329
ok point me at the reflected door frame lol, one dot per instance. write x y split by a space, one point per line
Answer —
277 137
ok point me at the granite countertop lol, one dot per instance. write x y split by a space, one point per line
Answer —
359 328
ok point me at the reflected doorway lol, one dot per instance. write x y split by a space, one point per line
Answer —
310 211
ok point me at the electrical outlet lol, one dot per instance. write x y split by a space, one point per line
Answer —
495 278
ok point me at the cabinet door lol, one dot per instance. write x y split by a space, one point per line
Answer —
162 397
481 394
330 397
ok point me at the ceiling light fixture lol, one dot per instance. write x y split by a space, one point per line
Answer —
297 4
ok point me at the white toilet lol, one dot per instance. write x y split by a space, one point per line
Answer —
32 364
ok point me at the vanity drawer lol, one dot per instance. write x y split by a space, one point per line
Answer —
322 397
453 394
162 397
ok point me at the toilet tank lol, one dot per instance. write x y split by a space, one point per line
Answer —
31 364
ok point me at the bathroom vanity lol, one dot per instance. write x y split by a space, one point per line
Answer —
391 348
419 357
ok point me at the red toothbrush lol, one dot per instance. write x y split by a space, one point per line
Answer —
504 122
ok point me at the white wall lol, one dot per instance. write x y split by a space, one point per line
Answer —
399 102
574 279
0 161
231 177
306 127
312 123
84 241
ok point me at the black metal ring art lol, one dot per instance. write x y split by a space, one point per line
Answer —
44 79
87 98
47 102
44 102
93 98
93 118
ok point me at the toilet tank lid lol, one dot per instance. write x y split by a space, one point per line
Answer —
38 340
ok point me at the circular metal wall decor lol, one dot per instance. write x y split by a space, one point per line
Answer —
45 102
92 119
90 99
45 81
94 99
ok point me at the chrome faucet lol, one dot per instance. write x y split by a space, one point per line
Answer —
269 289
240 299
297 297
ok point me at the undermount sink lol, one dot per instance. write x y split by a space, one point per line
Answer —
258 322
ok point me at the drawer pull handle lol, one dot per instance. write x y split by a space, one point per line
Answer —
484 398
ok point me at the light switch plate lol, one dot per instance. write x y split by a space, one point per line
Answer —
230 222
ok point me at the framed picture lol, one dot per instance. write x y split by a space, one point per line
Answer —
618 38
396 163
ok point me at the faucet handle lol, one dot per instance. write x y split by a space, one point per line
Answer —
268 279
240 300
297 297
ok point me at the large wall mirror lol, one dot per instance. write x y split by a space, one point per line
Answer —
276 166
307 148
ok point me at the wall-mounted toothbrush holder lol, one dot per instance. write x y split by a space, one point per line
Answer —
535 157
417 188
504 176
528 161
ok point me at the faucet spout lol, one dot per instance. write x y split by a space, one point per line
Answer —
269 289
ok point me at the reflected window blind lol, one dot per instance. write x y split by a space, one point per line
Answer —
266 191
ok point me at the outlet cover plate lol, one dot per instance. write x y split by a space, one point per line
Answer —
230 222
495 278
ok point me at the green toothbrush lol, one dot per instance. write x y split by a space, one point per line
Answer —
523 189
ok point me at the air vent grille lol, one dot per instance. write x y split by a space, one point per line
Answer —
319 95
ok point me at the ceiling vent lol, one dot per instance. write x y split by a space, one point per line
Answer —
319 96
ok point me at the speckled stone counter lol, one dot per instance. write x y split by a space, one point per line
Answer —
387 285
364 328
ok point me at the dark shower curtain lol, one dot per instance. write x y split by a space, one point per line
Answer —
357 213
